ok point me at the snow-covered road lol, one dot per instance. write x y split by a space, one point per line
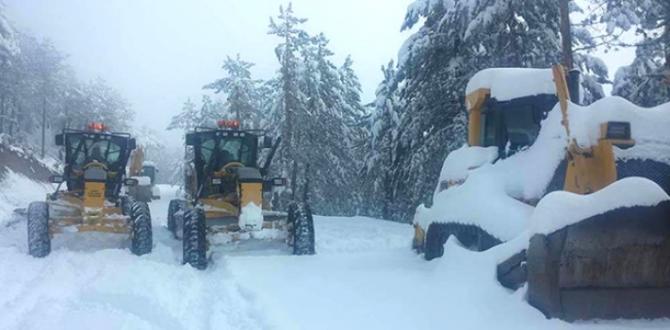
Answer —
364 277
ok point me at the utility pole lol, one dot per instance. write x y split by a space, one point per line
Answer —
566 34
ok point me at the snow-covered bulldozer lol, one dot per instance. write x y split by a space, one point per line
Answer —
584 204
228 195
95 164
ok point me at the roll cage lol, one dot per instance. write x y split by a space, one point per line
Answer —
215 148
111 149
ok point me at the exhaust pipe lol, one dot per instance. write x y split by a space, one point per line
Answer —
573 85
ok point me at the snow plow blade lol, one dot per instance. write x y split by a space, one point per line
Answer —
609 266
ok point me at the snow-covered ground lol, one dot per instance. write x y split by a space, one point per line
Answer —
364 277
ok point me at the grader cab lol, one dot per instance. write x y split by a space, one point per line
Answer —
228 195
95 162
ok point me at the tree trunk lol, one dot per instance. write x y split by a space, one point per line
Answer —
44 124
566 34
2 114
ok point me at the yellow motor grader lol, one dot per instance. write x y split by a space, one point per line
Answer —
615 264
228 195
145 174
95 164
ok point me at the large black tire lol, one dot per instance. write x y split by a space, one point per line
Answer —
194 238
176 206
141 236
39 241
302 229
126 204
472 237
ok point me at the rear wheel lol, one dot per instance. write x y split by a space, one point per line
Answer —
176 206
194 238
302 229
141 232
39 241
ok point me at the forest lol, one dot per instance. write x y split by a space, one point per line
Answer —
350 156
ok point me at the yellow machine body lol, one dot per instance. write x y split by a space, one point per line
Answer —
589 169
94 195
72 211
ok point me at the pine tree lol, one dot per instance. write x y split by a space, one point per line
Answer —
8 44
287 107
646 81
317 106
187 119
456 40
377 170
240 91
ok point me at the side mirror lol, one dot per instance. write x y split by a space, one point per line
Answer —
132 144
130 182
191 139
278 182
59 140
56 179
267 142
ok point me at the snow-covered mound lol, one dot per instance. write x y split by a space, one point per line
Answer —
493 196
17 191
510 83
560 209
460 161
22 159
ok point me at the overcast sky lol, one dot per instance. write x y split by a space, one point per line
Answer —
159 53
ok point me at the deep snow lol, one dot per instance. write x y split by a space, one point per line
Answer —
364 277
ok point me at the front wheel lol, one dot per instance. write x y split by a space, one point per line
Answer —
194 238
141 232
126 204
302 229
39 241
176 209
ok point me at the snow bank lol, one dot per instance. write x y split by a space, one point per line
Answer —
251 216
148 163
510 83
17 191
561 208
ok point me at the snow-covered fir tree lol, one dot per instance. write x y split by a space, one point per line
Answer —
240 91
204 115
40 95
384 122
646 80
8 44
316 114
457 39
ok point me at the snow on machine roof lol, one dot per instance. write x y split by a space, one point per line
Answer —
506 84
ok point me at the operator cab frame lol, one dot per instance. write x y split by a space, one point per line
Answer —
84 148
509 125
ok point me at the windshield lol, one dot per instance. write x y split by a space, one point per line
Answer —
216 151
83 150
